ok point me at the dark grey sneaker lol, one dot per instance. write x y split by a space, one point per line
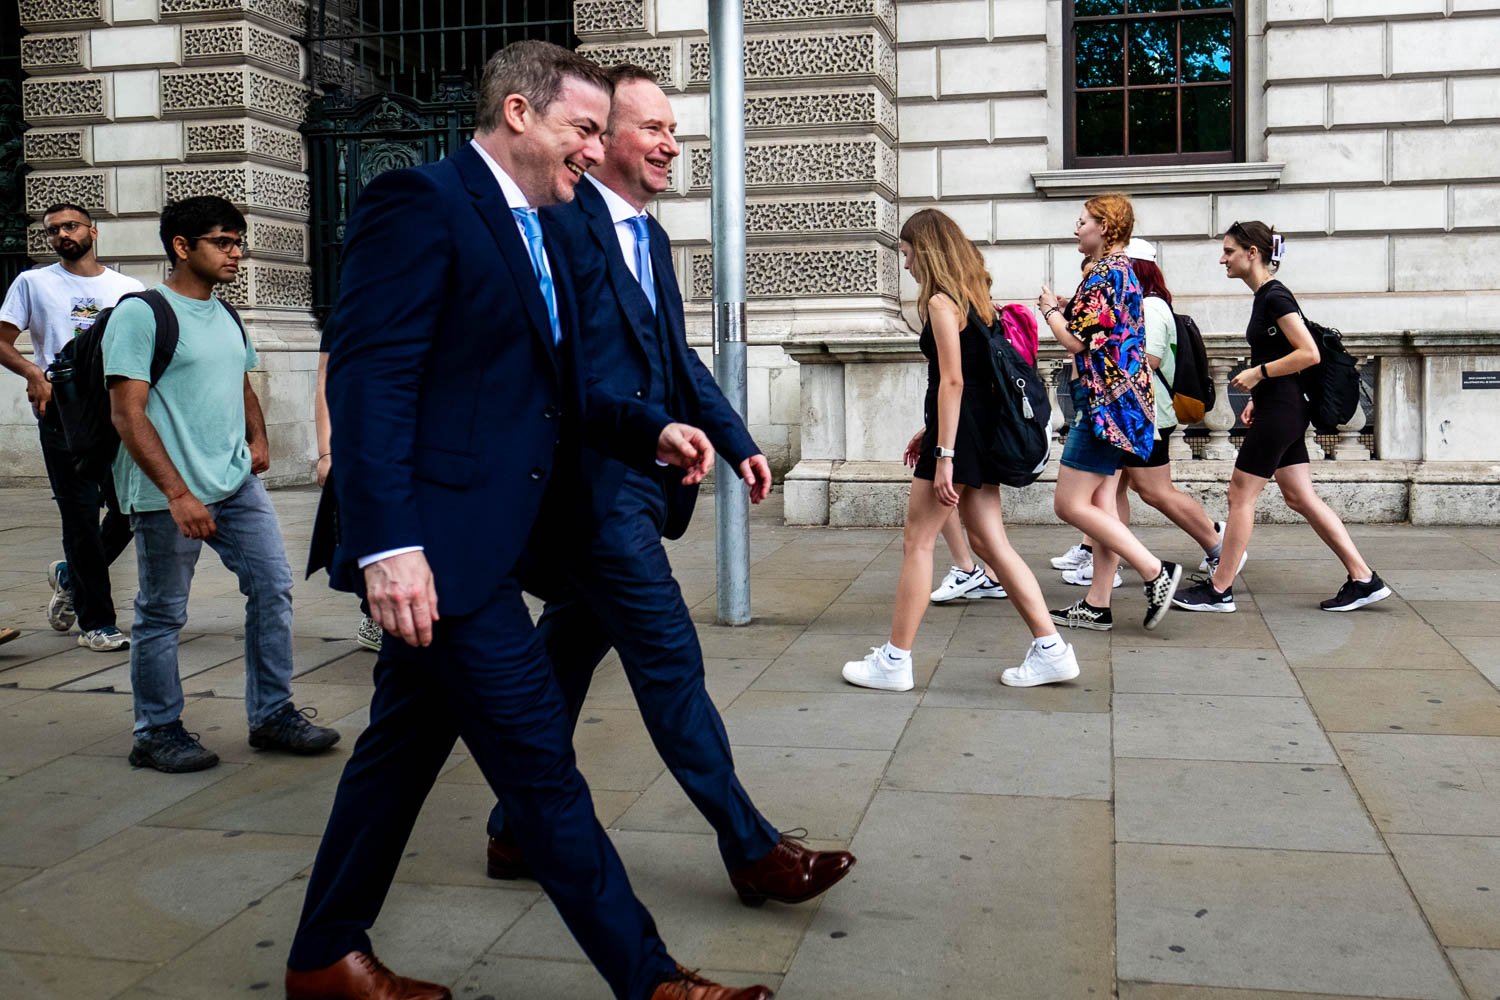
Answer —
1159 593
289 729
1354 594
1082 614
1202 596
172 750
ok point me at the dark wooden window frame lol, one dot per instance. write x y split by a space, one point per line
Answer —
1236 153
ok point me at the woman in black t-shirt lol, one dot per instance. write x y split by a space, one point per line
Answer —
1276 419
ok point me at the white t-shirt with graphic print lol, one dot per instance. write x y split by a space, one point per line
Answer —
56 305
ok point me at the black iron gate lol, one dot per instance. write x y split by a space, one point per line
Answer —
13 219
394 86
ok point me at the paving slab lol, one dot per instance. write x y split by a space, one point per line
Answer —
1457 882
1459 618
866 720
1276 920
824 792
66 977
1164 991
1483 652
1426 784
965 896
615 751
1388 635
1477 583
813 662
1202 670
506 976
1479 971
51 725
145 895
1219 727
1301 807
1451 702
974 682
794 601
1055 754
758 640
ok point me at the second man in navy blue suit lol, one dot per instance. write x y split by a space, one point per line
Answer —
619 591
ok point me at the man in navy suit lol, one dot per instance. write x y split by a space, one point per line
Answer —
458 411
622 593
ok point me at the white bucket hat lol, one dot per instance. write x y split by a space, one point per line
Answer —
1139 249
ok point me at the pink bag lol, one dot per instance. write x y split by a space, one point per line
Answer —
1019 324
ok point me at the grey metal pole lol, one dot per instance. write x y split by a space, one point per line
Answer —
726 32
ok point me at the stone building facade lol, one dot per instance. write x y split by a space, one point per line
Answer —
1364 129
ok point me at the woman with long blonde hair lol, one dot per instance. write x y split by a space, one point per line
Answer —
953 302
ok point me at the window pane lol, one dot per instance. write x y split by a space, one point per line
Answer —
1153 122
1205 49
1101 55
1153 57
1101 123
1151 6
1089 8
1207 5
1207 119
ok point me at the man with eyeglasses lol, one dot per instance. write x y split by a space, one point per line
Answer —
193 446
56 303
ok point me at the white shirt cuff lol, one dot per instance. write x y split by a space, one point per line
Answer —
367 560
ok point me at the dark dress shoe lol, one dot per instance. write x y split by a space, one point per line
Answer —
687 985
359 975
791 873
504 860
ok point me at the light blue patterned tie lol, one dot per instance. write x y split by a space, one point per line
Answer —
532 226
643 258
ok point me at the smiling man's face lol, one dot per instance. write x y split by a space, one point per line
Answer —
558 147
641 142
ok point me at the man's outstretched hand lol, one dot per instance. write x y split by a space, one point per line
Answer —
403 597
756 472
687 448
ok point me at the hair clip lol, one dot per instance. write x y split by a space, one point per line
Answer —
1278 248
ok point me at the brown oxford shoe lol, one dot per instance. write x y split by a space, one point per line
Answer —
504 860
688 985
791 873
359 975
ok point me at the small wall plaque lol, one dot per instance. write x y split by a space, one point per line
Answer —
1480 380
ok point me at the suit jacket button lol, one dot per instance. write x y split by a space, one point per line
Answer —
640 393
550 412
537 473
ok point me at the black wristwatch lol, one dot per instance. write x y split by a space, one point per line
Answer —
939 451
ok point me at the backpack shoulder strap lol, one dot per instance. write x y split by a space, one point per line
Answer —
166 331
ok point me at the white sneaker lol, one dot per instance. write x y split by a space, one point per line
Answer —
104 640
879 671
957 584
1041 667
1072 559
1083 576
988 588
1211 566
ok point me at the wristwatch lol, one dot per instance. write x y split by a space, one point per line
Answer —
940 452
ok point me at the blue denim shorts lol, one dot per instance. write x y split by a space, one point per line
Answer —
1082 450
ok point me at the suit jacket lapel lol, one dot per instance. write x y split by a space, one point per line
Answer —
668 296
489 202
602 229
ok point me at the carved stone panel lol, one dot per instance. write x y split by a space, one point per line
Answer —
612 16
289 16
83 188
251 91
779 11
36 14
655 56
259 189
238 42
265 285
224 140
812 163
72 100
277 240
869 107
793 273
52 53
848 54
58 147
866 215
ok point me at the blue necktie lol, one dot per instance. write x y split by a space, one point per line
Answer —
643 258
532 226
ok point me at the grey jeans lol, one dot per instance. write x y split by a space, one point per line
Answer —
249 544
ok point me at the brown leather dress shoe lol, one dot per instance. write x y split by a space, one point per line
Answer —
504 860
791 873
359 975
687 985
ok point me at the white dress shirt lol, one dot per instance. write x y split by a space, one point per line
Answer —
620 213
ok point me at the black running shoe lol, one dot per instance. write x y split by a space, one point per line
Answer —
1202 596
1082 614
1159 593
1354 594
289 729
171 749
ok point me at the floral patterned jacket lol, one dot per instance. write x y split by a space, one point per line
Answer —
1107 315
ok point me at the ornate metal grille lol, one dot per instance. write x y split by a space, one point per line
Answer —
13 218
394 86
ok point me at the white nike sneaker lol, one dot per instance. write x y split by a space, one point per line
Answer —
957 584
1072 559
879 671
1041 667
989 588
1083 576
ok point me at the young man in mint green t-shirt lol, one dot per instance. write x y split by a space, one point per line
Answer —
193 445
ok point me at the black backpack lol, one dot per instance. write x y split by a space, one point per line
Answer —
1018 443
1192 387
81 396
1332 385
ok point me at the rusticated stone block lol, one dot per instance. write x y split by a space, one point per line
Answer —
869 215
277 240
612 16
53 53
818 271
289 16
56 147
776 165
45 188
655 56
36 14
849 54
838 108
241 41
253 188
251 91
70 100
264 285
220 140
783 11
